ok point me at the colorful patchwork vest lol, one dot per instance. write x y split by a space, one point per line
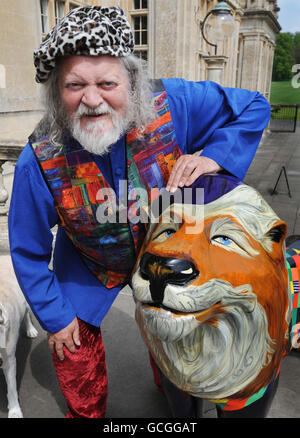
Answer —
109 249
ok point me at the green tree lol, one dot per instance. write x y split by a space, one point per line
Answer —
284 57
296 48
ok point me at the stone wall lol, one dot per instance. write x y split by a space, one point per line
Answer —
19 34
257 43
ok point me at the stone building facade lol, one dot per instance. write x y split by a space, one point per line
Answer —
167 34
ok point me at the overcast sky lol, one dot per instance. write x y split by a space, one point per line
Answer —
289 15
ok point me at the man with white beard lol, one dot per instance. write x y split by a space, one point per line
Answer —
106 123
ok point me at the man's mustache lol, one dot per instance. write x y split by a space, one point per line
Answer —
84 110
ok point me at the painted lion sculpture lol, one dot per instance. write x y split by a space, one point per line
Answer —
213 297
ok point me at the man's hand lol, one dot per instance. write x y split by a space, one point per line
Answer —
69 336
188 168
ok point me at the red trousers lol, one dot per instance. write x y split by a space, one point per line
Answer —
82 375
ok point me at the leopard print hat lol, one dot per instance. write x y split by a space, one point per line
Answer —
92 30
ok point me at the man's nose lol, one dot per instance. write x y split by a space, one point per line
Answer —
92 97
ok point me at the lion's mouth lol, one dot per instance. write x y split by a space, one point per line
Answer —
159 307
170 325
201 315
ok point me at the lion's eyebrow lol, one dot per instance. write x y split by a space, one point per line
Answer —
168 219
225 224
227 227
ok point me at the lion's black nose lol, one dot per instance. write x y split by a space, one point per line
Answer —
161 271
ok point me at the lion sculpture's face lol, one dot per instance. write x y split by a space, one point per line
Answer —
212 296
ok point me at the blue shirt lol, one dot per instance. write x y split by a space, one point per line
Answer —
226 123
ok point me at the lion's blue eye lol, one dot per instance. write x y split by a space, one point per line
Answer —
223 240
168 233
164 235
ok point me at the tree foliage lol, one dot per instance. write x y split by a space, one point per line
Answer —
285 55
296 48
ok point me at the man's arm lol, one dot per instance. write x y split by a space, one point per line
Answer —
225 123
31 217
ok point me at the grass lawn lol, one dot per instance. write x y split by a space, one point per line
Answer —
284 93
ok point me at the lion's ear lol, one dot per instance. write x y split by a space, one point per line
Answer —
278 232
276 236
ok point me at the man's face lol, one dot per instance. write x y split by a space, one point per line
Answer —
94 92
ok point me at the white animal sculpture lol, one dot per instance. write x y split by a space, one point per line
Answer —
13 309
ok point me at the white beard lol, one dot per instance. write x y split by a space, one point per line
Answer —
93 139
207 361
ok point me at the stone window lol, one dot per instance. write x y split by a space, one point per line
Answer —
139 15
59 9
140 25
140 4
44 15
